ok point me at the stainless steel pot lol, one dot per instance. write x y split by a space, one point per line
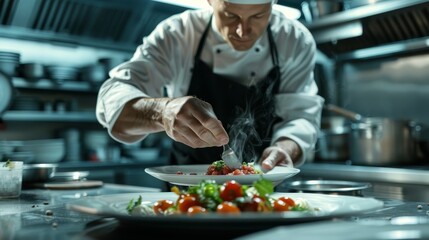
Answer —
332 144
383 142
380 141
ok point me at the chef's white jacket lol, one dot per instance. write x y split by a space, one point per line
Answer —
166 56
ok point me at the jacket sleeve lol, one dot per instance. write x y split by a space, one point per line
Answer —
156 63
298 103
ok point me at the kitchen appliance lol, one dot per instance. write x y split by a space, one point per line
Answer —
380 141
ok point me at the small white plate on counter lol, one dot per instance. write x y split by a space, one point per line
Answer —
194 174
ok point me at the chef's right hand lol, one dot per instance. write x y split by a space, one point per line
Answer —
192 121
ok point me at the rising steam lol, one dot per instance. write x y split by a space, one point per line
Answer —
250 129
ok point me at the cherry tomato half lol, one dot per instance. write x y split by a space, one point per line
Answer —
230 190
227 208
196 210
160 206
289 201
186 202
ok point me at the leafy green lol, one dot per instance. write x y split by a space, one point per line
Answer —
263 186
132 204
299 208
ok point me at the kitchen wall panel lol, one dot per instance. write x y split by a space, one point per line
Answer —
396 88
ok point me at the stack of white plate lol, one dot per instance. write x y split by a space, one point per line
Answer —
44 150
62 73
9 62
6 148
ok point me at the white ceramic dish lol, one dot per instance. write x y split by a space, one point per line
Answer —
331 206
169 174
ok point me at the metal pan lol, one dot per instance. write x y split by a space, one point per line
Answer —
38 172
333 187
42 173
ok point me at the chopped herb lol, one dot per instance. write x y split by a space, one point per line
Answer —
218 165
9 164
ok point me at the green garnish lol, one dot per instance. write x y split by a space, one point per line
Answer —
218 165
208 193
263 186
9 164
132 204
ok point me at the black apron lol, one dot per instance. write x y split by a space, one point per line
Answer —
247 113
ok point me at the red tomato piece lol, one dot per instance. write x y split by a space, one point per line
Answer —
289 201
196 210
187 202
230 190
160 206
280 206
227 208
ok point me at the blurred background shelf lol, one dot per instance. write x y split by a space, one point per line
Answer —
49 116
46 84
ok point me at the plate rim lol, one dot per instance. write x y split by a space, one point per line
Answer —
281 218
189 180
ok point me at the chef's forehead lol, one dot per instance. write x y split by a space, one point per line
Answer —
250 1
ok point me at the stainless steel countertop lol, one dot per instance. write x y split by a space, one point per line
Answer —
45 208
402 175
408 183
42 214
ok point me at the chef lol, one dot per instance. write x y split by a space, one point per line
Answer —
239 73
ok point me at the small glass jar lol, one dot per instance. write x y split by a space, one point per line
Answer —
10 179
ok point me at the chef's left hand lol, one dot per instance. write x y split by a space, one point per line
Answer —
282 153
273 156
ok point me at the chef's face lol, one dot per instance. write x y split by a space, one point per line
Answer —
240 24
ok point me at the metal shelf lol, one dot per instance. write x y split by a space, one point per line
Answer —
47 84
40 116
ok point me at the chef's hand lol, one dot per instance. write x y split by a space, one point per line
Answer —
283 153
192 121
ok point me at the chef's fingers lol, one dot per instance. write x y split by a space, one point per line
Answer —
210 128
273 156
192 121
186 135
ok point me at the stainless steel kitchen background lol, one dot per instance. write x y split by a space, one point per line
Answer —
372 58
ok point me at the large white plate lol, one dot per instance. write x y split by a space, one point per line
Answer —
114 206
169 174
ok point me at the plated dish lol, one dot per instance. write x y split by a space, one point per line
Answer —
114 206
194 174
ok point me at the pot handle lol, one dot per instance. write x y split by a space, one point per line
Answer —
343 112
